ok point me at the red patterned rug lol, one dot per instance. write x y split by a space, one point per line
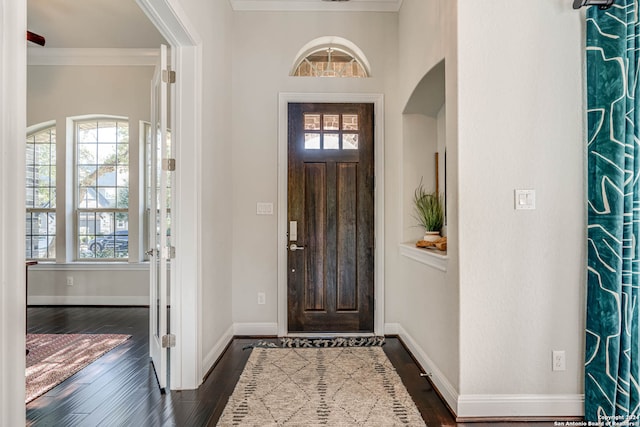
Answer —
53 358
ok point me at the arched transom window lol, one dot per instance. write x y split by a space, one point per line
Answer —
330 57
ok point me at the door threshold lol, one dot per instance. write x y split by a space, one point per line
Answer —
329 334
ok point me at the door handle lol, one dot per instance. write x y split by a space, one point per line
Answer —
150 252
294 247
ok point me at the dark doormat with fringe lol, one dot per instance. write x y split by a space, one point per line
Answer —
319 342
332 342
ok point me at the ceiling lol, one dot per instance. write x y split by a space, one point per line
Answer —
122 24
91 24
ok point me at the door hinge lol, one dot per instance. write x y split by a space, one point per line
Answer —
168 76
169 252
169 165
168 341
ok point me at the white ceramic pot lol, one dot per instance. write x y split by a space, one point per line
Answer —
431 236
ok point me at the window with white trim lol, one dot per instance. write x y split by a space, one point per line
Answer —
102 188
40 192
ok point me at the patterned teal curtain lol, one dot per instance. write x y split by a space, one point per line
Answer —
612 342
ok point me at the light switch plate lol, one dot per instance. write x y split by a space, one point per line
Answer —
264 208
525 199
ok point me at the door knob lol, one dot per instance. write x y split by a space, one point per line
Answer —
294 247
150 252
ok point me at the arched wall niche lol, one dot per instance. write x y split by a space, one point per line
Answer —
424 145
428 96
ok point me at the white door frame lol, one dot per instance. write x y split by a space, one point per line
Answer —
185 282
13 126
186 360
378 105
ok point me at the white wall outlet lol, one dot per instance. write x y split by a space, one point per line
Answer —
262 298
559 361
69 280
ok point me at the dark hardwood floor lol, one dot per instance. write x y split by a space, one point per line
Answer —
120 388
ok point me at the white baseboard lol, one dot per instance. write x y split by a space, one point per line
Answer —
217 350
250 329
525 405
391 329
495 406
440 381
255 329
87 300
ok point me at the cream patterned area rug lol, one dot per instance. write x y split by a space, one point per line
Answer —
53 358
345 386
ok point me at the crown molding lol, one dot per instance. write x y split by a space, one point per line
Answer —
90 56
317 5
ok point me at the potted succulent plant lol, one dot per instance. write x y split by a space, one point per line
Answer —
429 212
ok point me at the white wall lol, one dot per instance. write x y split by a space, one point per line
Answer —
92 285
514 119
57 93
422 300
212 20
265 45
521 272
514 91
216 178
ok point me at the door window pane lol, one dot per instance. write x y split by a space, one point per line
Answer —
334 131
331 141
349 122
331 122
312 122
312 141
350 141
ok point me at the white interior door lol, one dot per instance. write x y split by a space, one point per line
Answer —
160 220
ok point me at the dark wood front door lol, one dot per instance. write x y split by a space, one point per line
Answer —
330 213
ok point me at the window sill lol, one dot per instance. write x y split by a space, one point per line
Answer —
89 266
431 257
